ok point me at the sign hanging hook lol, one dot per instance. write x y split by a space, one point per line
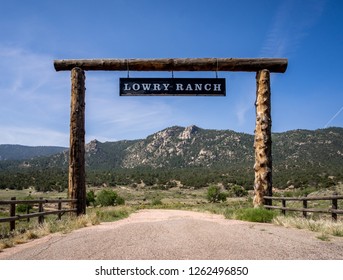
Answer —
217 69
172 70
128 71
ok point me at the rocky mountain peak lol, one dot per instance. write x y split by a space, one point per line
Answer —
92 146
188 132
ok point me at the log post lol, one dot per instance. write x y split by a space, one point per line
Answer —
334 207
283 211
12 214
305 207
263 140
76 183
41 210
59 206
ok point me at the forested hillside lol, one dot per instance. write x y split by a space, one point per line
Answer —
191 156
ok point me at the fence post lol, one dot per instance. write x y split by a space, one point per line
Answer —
41 209
305 207
334 207
59 208
12 214
28 211
283 211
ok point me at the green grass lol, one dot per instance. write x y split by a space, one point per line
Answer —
111 214
258 215
21 194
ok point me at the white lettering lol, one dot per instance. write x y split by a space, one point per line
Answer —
157 87
179 87
126 87
146 86
189 87
207 87
198 87
216 87
166 86
136 87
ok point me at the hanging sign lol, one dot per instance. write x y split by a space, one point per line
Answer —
172 87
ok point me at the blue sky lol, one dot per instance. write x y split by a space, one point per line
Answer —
35 100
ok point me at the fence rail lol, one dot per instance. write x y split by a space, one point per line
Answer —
13 216
333 210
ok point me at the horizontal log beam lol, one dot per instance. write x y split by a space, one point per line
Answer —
328 211
278 65
36 214
304 198
34 201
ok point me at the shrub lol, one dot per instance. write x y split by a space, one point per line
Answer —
215 195
108 197
90 198
23 208
259 215
156 201
237 191
120 200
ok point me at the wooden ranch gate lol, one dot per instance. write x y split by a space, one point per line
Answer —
262 142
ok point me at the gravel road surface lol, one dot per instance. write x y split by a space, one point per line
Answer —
178 235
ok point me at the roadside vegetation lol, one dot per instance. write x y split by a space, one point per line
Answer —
114 203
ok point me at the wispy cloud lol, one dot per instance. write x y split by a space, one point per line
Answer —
245 102
33 106
290 25
112 117
24 71
33 136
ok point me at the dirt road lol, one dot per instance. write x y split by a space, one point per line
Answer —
173 234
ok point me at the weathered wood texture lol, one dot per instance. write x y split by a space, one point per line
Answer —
278 65
333 210
13 216
263 141
77 185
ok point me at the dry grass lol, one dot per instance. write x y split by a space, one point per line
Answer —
324 227
49 226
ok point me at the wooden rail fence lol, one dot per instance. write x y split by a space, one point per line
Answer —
13 217
333 209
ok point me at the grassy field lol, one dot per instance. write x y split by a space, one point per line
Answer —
21 194
150 198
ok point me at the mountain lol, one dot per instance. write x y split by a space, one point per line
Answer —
19 152
181 147
188 147
298 147
173 147
194 156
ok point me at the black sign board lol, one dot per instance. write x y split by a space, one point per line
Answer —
172 87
